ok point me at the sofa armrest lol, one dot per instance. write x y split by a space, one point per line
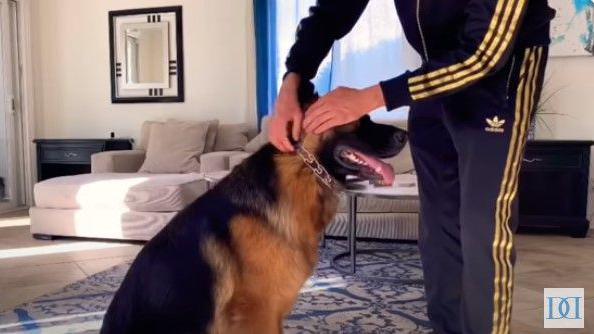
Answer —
216 161
237 159
127 161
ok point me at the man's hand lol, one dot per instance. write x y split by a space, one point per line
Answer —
288 113
342 106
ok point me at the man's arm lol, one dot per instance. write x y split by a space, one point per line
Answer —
487 41
329 20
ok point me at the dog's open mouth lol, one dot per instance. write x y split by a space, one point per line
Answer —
368 167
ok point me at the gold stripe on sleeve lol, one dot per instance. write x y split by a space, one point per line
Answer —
488 54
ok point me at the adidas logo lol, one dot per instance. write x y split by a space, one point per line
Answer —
495 125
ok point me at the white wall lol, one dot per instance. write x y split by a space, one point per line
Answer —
71 67
573 80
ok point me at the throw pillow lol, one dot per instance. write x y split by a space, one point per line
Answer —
231 137
211 133
145 133
174 147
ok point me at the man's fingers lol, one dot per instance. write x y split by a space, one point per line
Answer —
318 120
297 125
279 144
282 142
277 127
318 104
286 144
312 118
326 125
312 112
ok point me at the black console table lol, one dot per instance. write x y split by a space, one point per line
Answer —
61 157
553 189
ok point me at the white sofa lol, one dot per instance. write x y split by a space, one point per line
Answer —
117 202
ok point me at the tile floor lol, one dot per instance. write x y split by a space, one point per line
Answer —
29 268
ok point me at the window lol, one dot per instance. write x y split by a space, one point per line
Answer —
374 50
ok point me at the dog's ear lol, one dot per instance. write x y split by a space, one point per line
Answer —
307 94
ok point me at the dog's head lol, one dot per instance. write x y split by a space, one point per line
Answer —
357 148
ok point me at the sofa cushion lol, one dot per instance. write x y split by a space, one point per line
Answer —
236 159
211 135
216 161
261 139
382 205
231 137
174 147
126 161
97 223
136 192
394 226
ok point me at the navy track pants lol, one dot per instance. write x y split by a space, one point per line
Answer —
467 149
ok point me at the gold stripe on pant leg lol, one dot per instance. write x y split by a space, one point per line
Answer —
523 136
499 203
508 198
500 198
507 237
509 195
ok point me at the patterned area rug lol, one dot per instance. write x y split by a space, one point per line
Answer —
330 302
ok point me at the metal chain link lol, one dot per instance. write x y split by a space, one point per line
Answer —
319 171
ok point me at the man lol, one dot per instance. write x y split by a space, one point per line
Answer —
470 107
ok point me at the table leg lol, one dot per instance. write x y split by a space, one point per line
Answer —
353 232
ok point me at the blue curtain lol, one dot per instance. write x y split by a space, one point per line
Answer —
266 55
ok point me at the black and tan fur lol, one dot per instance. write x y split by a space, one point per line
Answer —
235 260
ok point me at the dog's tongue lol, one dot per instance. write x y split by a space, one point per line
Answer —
383 169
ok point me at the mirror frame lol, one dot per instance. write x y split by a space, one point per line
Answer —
176 67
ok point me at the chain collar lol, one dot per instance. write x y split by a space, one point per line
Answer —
319 171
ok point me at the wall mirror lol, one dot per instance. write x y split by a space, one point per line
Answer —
146 51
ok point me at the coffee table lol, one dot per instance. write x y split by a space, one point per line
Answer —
405 187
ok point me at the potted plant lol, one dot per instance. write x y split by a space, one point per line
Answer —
542 110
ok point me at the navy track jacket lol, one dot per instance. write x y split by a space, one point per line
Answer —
461 41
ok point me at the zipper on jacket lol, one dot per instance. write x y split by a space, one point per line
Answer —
423 42
509 78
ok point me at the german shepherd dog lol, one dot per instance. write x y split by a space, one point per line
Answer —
235 259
